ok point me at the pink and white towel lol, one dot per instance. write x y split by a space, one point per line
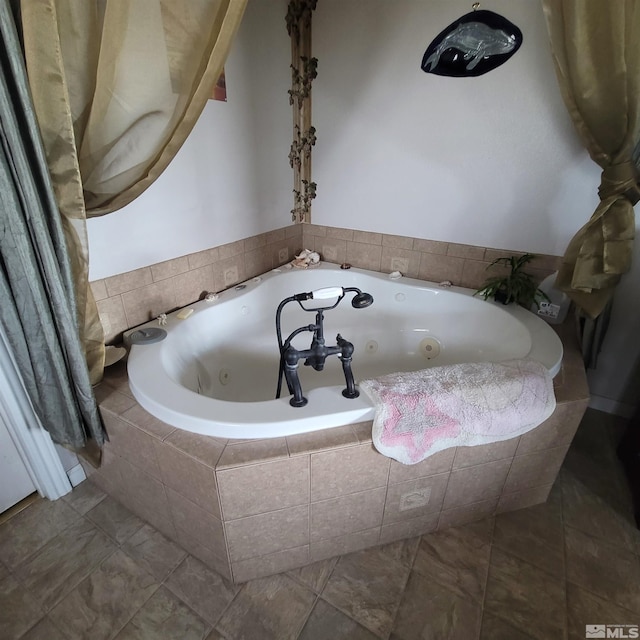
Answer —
419 413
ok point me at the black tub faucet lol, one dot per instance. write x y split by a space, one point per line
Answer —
318 352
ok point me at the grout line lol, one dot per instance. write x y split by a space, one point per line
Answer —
406 582
311 609
212 626
140 607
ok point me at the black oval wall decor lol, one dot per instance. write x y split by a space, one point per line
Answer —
474 44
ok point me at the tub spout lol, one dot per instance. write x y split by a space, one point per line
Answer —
291 357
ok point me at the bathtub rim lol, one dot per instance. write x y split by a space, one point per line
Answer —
326 408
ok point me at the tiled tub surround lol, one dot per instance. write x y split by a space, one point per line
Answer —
129 299
463 265
259 507
132 298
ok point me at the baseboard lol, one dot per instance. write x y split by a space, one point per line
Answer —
612 406
76 475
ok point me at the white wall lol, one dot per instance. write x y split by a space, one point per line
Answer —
491 161
231 179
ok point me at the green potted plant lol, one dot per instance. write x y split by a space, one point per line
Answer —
516 285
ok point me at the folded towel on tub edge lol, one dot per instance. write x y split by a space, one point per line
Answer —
419 413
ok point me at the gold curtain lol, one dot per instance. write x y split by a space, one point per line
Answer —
117 87
596 50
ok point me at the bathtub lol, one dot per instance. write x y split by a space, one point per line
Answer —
216 371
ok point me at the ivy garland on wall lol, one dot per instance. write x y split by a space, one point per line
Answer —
303 72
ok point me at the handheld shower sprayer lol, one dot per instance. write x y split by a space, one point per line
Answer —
327 293
359 301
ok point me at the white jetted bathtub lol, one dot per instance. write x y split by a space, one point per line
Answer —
216 372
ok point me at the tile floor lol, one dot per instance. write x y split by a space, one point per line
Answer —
84 567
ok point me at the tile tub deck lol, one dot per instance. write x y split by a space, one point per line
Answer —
252 508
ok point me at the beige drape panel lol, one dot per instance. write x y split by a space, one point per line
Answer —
117 87
596 50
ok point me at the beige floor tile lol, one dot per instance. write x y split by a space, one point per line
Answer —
106 600
84 497
314 575
64 561
153 552
18 609
607 571
602 479
592 437
429 610
4 572
326 621
202 589
585 608
44 630
273 608
526 597
165 616
115 520
496 629
368 585
535 535
593 515
457 558
31 529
